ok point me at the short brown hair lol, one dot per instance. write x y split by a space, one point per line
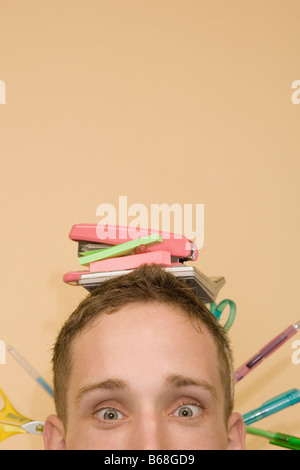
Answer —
148 283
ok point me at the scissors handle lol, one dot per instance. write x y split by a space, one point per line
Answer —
11 422
7 430
9 414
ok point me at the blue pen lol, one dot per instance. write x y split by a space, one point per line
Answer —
278 403
31 371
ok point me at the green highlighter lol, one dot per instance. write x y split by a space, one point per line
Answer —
278 438
119 250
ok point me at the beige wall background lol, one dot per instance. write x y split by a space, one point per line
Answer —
164 101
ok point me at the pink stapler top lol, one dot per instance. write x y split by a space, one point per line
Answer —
177 245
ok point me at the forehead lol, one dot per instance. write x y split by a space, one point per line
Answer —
150 338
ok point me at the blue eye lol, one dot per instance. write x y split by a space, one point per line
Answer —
109 414
188 411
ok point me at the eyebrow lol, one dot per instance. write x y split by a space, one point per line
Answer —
171 381
109 384
177 381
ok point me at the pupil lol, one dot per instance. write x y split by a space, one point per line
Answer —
186 412
109 415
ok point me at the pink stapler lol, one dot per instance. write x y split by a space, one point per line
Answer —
95 236
166 249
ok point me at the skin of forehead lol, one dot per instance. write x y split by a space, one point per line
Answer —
134 318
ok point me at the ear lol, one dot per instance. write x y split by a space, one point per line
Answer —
54 434
236 432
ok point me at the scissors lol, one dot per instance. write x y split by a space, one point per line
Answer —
12 422
217 311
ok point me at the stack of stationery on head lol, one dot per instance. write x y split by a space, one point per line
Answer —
109 251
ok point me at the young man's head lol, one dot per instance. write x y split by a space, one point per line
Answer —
142 364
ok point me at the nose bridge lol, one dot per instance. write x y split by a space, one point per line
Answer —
148 430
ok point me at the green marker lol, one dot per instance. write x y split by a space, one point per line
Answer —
278 438
120 250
